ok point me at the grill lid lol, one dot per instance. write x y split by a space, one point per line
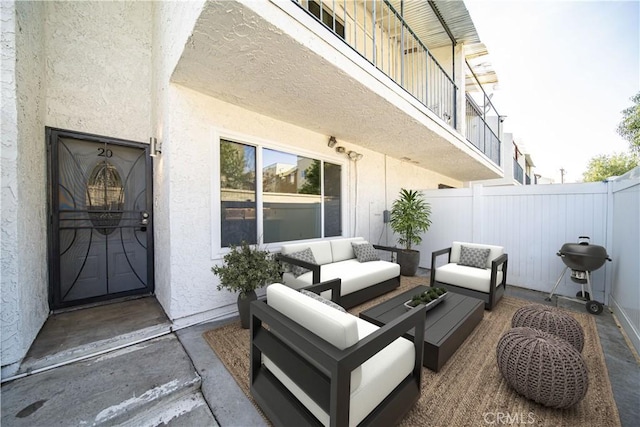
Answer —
583 256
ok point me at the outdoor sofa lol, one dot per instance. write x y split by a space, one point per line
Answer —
314 364
363 275
472 269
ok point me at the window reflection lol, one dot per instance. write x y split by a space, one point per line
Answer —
332 200
238 193
294 189
291 197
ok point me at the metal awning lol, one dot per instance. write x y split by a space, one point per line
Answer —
422 17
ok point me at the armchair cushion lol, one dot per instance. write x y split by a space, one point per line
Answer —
473 257
372 381
303 255
365 251
468 277
495 251
339 329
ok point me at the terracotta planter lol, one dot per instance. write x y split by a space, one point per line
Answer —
409 261
243 307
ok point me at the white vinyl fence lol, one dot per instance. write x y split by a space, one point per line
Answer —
533 222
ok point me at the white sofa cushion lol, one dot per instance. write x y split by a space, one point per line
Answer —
354 275
375 378
496 251
341 249
466 277
321 250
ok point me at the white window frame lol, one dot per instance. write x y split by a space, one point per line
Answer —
216 225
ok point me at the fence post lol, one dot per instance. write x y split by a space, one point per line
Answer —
608 269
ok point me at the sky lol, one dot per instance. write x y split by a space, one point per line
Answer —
566 70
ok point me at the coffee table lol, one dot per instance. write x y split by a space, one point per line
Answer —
446 326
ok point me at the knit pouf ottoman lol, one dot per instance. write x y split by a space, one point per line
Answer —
551 320
542 367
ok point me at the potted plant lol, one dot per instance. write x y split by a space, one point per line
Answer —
246 269
410 217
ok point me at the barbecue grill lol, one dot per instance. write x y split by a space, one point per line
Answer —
582 258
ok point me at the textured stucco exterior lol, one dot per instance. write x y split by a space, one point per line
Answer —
23 248
99 67
197 121
173 26
126 70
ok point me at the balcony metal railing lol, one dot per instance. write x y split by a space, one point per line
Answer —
527 179
482 120
479 133
518 173
380 34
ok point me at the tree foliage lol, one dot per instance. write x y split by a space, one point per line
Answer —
602 167
232 167
312 182
629 127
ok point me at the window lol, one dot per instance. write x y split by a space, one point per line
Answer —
300 196
237 193
325 16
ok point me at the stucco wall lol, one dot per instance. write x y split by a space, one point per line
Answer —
98 73
196 121
173 23
24 267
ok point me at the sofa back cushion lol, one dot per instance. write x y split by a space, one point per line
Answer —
321 250
495 251
342 250
338 328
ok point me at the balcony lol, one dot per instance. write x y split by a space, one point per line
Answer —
518 173
380 74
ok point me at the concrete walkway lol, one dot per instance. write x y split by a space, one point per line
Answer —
157 376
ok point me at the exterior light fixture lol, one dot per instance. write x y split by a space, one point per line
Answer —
354 156
340 150
155 147
332 142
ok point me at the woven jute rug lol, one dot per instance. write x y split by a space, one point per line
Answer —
469 390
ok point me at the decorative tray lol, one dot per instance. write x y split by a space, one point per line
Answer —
430 305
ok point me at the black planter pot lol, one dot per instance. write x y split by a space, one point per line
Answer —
243 307
409 261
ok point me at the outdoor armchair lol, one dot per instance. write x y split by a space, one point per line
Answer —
312 364
472 269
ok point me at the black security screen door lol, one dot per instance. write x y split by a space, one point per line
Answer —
101 236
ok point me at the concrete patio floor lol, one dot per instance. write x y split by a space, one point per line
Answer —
144 338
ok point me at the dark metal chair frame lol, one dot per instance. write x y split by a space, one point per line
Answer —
357 297
324 371
496 291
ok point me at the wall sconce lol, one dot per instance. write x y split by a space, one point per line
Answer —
340 150
156 147
354 156
332 142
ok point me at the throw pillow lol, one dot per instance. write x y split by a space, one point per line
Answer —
474 257
365 251
303 255
322 300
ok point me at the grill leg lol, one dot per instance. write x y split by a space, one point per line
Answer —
557 283
589 290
